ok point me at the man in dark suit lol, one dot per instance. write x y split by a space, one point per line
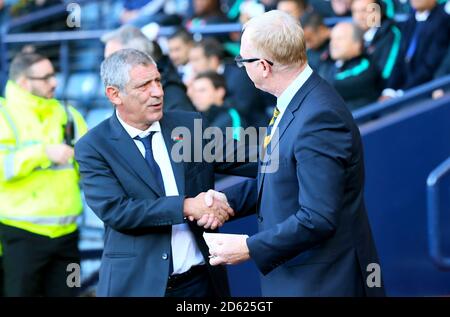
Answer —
425 38
146 196
314 236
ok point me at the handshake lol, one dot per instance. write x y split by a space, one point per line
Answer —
210 209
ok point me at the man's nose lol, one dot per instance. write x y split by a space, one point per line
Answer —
157 91
53 82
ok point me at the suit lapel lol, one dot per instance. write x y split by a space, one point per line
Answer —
177 167
285 122
127 149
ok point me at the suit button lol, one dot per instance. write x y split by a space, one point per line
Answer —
164 256
260 219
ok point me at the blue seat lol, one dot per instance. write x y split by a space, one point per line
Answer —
97 115
82 87
60 85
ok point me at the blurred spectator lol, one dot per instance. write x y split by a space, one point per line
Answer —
162 12
206 12
40 197
381 35
323 7
341 7
180 44
127 36
295 8
250 9
208 95
425 39
353 76
331 8
317 38
269 4
208 55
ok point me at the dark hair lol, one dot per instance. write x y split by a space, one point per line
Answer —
182 34
312 19
211 47
22 62
300 3
216 79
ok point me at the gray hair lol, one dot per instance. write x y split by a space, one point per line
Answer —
115 69
131 37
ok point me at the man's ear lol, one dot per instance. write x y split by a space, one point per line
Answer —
222 92
266 68
23 82
113 95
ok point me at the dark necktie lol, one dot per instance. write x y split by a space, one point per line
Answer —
414 41
154 167
156 171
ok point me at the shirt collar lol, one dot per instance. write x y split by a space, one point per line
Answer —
221 69
422 16
134 132
369 35
289 93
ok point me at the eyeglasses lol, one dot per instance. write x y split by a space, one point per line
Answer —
240 61
45 78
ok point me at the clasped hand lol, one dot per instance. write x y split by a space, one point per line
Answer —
210 209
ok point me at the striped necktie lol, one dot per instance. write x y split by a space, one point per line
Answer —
268 137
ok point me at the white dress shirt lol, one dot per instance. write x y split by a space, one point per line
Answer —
185 252
288 94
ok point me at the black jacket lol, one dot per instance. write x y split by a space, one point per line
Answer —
357 82
431 48
384 48
175 97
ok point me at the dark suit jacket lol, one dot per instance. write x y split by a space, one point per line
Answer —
314 237
138 217
431 48
175 97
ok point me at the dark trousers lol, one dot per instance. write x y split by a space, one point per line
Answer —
1 276
35 265
197 284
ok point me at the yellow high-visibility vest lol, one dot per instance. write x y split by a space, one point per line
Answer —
35 194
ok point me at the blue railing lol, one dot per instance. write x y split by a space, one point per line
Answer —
434 209
413 95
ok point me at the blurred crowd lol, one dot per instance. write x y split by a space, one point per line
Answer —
375 51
